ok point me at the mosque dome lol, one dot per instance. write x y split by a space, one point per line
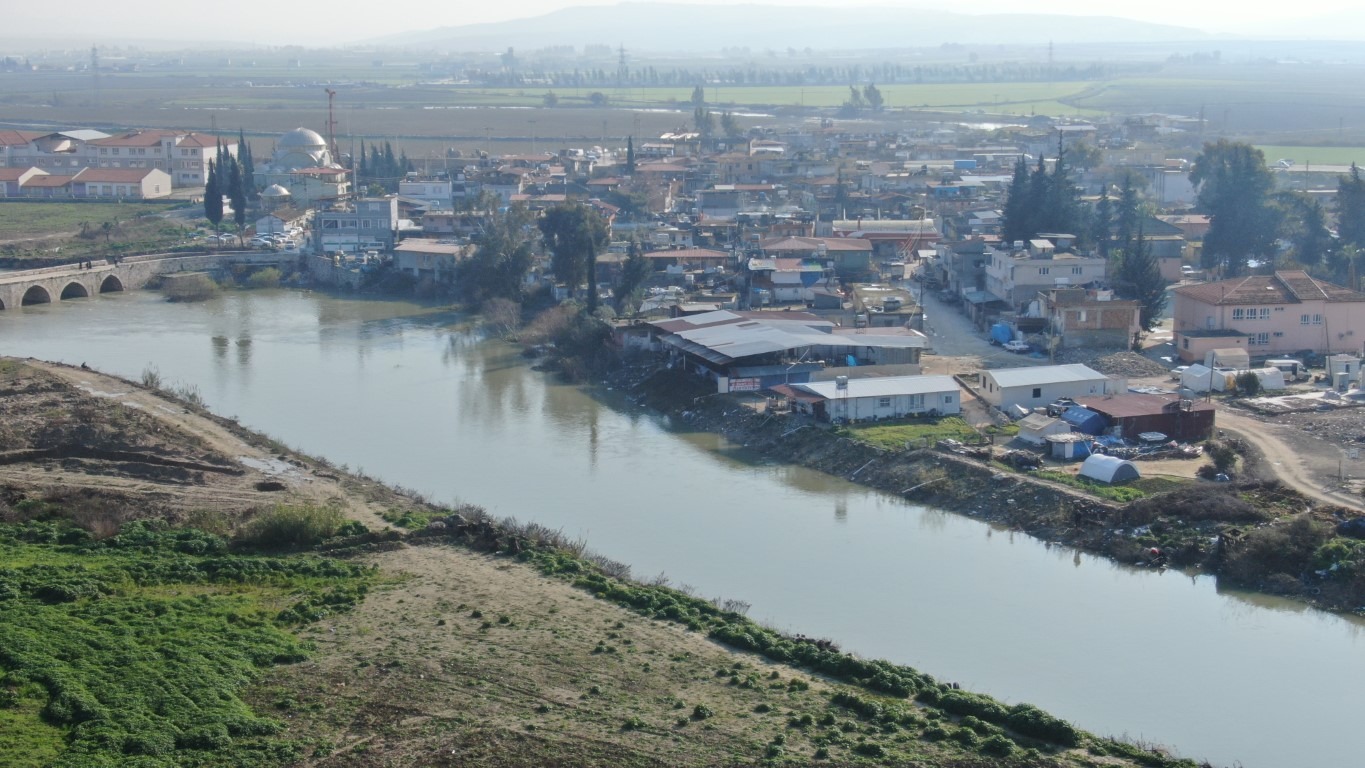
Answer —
274 190
301 148
302 138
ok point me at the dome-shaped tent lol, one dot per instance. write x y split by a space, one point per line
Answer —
1109 469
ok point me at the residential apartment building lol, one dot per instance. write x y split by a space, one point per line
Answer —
184 156
365 224
1017 275
1268 315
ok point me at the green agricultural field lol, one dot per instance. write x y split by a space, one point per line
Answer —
915 432
43 219
1308 156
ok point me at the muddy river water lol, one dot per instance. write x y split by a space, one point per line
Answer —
409 394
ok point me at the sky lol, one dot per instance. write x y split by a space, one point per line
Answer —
326 23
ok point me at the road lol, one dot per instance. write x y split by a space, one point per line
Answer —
958 346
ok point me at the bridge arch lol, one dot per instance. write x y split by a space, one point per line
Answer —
111 284
75 290
36 295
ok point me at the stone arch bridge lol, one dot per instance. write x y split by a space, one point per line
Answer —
53 284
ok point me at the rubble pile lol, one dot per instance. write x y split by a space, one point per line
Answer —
1129 364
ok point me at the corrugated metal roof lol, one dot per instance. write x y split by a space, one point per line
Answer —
1048 374
882 386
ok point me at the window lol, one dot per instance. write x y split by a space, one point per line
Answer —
1077 270
883 402
947 399
1238 314
1265 313
1043 270
1258 340
1303 319
1317 319
1037 392
1185 342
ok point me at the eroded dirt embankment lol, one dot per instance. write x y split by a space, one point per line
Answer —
1257 534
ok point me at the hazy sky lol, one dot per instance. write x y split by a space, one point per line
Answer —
325 23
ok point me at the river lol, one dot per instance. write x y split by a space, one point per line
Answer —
412 396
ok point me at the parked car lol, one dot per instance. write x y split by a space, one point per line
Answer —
1016 346
1177 371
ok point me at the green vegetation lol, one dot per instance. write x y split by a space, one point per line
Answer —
264 278
1309 156
40 219
134 649
189 286
292 527
914 432
1120 493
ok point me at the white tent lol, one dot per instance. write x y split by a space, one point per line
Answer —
1270 378
1109 469
1197 378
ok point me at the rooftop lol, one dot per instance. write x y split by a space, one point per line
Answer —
881 386
1285 287
1046 374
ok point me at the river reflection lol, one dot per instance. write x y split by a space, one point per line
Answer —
415 396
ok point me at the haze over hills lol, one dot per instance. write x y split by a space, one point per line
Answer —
678 27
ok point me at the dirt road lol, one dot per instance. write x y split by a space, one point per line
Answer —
1294 466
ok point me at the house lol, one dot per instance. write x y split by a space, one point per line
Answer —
1268 315
890 238
281 220
1090 318
122 183
1033 387
883 397
11 179
1016 276
850 257
1131 414
366 224
47 186
782 281
1035 428
429 259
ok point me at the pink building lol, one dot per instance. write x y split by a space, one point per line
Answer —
1268 315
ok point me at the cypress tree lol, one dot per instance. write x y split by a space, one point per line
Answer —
630 155
1016 224
248 166
213 198
237 195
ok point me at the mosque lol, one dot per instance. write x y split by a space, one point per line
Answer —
303 165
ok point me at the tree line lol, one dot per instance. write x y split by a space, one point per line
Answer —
232 177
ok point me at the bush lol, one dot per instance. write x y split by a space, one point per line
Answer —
996 746
264 278
701 712
286 527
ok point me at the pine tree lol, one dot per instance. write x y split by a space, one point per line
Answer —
1127 217
1102 222
213 198
1351 208
363 167
1140 278
1016 221
630 155
1234 188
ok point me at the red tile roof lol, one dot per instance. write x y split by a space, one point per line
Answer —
688 254
13 174
1287 287
114 175
134 139
200 140
15 138
48 181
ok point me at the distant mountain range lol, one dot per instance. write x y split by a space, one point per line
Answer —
663 27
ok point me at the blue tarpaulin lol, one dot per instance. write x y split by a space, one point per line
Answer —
852 361
1083 420
1001 333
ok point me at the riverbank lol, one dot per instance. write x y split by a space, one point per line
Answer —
1252 534
476 642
